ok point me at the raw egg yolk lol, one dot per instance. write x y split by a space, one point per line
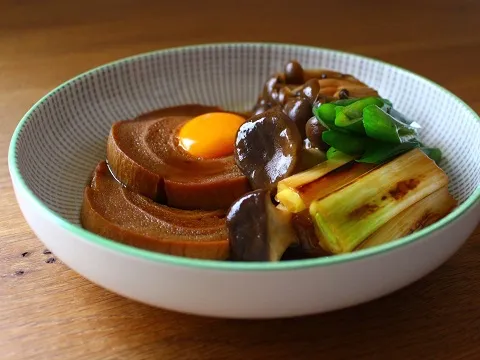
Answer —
210 135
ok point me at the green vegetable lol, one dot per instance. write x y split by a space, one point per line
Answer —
334 154
326 113
377 152
345 102
355 110
343 121
369 129
381 126
350 117
433 153
347 143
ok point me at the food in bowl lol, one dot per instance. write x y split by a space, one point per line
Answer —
321 165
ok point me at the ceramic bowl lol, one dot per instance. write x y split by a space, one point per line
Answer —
63 136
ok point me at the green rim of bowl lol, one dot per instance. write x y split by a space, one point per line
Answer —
112 245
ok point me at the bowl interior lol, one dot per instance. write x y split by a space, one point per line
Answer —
63 136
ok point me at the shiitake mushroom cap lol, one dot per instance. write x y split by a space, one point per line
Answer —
257 230
267 148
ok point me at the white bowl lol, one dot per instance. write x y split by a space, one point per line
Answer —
60 140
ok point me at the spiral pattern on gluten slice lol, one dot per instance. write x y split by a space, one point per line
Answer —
144 155
113 211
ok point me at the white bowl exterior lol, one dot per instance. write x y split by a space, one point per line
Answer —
76 118
250 294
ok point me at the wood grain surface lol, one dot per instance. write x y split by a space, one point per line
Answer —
49 312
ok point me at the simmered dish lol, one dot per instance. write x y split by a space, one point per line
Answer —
321 165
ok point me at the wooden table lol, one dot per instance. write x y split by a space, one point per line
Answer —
49 312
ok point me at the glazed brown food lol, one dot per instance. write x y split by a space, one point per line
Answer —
319 84
111 210
267 148
296 90
257 230
144 154
179 180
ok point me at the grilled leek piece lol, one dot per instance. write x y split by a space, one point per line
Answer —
346 217
298 198
287 189
418 216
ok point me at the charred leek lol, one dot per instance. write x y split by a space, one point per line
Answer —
299 197
288 190
345 218
418 216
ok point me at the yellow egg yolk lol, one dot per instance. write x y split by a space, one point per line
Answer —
210 135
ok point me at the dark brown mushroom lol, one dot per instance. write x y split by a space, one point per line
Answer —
257 230
267 148
283 95
314 130
308 243
261 106
310 90
275 90
294 73
299 110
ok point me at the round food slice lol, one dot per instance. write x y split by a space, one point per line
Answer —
144 154
111 210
